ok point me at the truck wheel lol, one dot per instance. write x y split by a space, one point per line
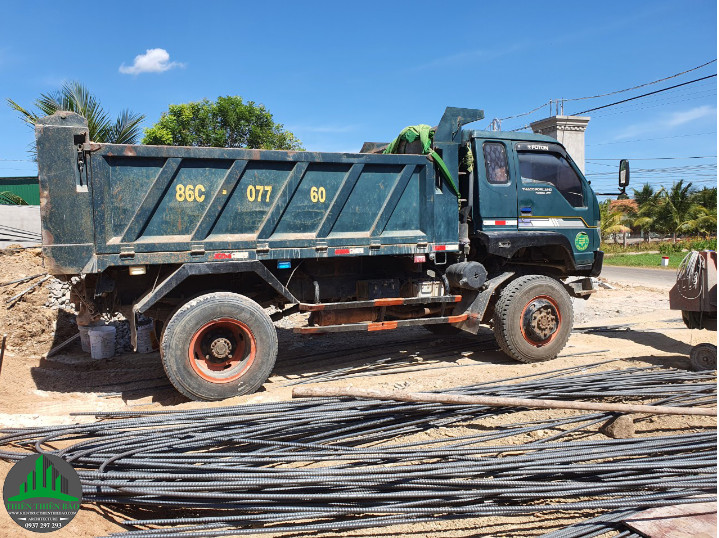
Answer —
703 357
533 318
219 345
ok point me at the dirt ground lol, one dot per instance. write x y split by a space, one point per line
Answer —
40 391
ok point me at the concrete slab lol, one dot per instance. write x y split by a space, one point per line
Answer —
695 520
19 224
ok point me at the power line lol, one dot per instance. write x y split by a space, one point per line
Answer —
645 84
644 95
654 104
527 113
609 93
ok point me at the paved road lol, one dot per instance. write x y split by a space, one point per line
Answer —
641 276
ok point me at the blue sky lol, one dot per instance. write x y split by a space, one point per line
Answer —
337 74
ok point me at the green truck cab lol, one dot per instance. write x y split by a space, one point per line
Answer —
214 244
530 193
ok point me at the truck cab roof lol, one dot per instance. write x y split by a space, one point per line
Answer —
507 135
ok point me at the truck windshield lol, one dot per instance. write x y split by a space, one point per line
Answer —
552 168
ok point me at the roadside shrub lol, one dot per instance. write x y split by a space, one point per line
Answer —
664 247
702 244
668 248
688 244
644 246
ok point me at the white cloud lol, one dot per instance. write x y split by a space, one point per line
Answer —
153 61
680 118
668 121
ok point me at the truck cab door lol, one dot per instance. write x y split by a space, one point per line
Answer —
552 195
496 194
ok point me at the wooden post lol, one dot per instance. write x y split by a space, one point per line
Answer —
496 401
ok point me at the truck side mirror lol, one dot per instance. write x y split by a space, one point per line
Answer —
623 174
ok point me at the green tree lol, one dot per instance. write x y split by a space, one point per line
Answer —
646 194
703 217
647 200
74 97
228 122
612 220
701 220
706 198
676 209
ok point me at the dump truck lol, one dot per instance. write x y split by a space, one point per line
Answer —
482 228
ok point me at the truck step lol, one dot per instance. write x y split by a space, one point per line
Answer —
390 301
380 325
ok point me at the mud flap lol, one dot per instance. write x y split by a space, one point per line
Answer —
474 303
582 288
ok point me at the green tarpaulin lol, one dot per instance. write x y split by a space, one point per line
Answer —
425 134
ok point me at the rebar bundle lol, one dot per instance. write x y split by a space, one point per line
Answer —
337 464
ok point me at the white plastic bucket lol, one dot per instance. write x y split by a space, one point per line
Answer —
102 342
85 336
146 339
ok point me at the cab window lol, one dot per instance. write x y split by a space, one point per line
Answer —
495 162
555 169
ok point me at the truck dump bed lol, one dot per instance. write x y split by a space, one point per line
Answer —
108 205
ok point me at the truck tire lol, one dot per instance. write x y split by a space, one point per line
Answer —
219 345
533 318
703 357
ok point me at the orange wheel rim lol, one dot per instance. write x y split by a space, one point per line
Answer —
540 320
222 350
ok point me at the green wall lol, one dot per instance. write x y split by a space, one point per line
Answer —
26 188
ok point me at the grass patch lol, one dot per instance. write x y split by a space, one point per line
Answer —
644 260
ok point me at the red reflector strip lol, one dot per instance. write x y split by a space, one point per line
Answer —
382 326
389 302
440 247
500 222
353 250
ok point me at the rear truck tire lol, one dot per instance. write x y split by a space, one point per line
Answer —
219 345
703 357
533 318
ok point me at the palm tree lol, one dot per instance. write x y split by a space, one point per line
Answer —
75 97
706 197
647 201
611 220
644 195
676 209
701 221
